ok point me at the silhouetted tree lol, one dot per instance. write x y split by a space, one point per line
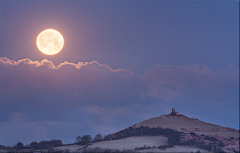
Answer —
34 145
46 144
55 143
97 138
19 145
86 139
78 139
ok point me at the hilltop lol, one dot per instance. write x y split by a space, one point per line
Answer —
181 123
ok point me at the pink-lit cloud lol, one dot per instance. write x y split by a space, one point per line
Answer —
85 81
50 65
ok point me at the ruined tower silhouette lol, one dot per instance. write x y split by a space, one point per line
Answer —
173 113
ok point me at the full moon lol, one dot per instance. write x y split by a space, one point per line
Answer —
50 42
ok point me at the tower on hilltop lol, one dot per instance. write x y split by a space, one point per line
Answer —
173 113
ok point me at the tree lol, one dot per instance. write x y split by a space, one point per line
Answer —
49 144
19 145
34 145
55 143
97 138
86 139
78 139
2 146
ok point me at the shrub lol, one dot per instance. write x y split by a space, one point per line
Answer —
210 138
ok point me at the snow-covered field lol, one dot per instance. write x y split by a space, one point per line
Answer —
185 149
129 143
132 142
70 148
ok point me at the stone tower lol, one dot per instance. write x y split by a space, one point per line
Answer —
173 113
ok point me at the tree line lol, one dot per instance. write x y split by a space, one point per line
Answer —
173 138
34 145
172 135
86 139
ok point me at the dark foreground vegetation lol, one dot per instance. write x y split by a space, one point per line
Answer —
214 144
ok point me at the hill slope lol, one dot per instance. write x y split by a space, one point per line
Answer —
182 123
194 132
170 133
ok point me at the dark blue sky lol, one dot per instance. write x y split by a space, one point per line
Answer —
149 56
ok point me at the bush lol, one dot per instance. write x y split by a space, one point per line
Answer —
192 133
210 138
221 144
173 139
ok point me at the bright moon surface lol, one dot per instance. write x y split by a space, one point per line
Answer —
50 42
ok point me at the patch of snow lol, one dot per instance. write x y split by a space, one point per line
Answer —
70 147
198 121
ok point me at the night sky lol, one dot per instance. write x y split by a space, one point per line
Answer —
123 62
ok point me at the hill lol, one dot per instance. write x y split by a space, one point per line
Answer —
181 123
169 133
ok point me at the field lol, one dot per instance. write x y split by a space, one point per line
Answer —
129 143
70 148
185 149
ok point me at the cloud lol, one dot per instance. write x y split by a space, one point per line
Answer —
50 65
84 81
169 82
71 99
